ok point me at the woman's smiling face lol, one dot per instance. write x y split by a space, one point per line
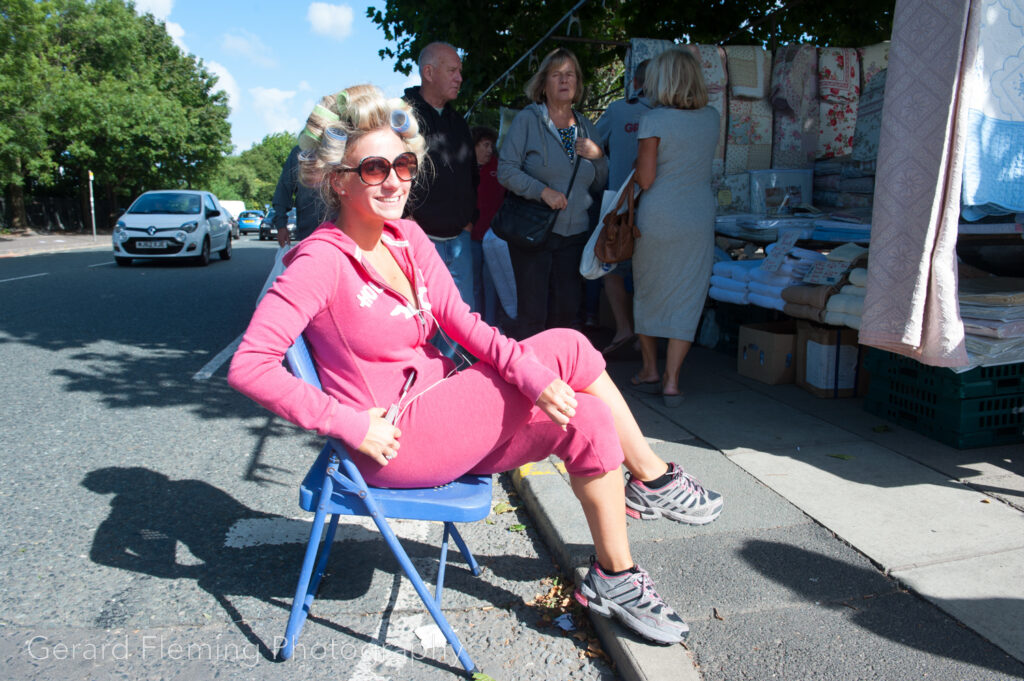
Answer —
372 203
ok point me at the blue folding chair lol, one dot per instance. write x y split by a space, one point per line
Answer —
333 486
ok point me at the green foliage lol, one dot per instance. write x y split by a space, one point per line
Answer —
495 35
252 175
24 73
103 89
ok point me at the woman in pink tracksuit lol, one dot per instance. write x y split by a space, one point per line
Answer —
369 291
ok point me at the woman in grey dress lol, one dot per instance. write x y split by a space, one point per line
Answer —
676 216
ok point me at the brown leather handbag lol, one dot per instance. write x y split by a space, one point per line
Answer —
619 231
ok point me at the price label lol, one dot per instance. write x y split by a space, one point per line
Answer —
829 272
778 255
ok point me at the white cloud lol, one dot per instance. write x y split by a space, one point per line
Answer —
161 9
333 21
227 83
250 46
177 34
275 107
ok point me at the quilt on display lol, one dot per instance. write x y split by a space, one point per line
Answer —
993 176
794 99
839 92
748 144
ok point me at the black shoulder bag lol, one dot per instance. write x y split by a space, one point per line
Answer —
525 223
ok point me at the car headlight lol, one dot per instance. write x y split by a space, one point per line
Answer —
120 234
191 226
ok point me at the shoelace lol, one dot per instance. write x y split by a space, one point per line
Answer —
646 584
689 482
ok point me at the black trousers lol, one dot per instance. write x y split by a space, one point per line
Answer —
549 288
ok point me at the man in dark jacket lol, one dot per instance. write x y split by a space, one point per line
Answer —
444 206
310 210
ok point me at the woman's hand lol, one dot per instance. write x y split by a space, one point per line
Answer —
588 149
381 441
558 401
555 200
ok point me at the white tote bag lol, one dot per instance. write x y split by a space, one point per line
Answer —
590 266
500 265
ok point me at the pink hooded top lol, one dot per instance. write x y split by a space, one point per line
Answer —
364 335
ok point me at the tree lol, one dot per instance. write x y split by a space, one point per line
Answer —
494 36
24 73
252 175
89 85
135 110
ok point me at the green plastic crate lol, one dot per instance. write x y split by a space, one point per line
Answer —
960 422
1007 379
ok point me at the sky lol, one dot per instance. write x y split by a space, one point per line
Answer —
275 59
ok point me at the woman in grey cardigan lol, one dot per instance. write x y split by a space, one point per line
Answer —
536 161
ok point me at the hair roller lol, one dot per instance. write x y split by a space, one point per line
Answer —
325 113
308 141
400 121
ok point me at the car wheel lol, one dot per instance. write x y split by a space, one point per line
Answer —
123 262
225 254
203 259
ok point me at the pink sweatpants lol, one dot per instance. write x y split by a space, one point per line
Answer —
475 422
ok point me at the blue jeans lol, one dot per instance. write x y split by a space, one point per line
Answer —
458 258
485 295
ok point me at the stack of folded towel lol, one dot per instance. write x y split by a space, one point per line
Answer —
846 307
729 280
765 289
807 302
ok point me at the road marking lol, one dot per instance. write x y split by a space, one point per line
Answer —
102 264
211 367
249 532
27 276
393 646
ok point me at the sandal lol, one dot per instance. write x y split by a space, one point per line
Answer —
672 401
649 387
618 345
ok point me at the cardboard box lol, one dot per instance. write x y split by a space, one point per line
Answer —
767 352
828 360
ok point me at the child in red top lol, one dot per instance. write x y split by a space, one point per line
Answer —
489 195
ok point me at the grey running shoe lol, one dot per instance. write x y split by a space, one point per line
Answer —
631 597
683 499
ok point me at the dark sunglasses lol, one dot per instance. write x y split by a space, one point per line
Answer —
373 170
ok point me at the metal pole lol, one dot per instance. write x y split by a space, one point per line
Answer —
92 208
528 53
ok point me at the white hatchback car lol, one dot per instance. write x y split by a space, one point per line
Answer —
173 223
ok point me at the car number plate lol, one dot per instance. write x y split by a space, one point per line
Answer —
154 243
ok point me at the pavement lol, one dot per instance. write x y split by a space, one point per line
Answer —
32 242
848 548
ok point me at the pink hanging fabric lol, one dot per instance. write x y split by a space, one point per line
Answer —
911 305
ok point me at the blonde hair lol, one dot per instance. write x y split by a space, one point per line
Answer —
554 59
343 118
674 78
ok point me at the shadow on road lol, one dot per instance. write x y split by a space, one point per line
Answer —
922 626
150 515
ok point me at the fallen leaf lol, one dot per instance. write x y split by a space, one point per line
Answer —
882 429
844 457
518 527
717 616
504 507
985 501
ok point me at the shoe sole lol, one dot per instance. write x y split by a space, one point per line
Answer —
652 388
596 604
655 513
